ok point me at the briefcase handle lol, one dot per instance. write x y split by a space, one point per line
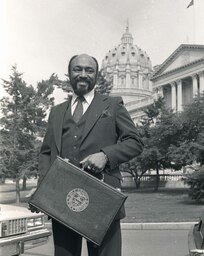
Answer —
89 171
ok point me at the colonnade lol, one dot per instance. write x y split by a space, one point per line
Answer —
177 90
140 80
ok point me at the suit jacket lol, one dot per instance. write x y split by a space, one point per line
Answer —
108 128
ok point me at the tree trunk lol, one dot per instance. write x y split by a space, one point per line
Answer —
157 179
2 181
17 191
24 183
137 182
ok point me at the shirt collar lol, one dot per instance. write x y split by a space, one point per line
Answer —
88 97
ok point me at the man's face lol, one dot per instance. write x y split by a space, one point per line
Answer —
83 74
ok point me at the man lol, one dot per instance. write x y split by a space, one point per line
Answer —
95 132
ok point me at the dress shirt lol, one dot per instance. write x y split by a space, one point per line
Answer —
86 103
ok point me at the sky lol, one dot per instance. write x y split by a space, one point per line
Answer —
40 36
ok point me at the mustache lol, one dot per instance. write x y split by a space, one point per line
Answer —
84 79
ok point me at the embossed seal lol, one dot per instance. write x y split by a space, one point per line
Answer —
77 200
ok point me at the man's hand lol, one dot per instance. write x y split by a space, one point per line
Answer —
95 162
33 208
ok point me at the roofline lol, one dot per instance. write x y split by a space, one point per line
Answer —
176 69
182 46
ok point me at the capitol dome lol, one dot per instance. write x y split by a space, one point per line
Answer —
127 53
129 68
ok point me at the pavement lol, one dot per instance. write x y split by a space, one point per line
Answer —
152 226
140 239
157 226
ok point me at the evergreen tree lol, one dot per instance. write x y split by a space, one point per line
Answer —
22 124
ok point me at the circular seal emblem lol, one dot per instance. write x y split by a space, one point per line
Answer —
77 200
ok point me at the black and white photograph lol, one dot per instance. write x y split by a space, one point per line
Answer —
102 128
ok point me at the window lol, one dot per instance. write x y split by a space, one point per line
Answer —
122 80
133 80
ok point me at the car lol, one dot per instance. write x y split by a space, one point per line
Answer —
196 238
20 229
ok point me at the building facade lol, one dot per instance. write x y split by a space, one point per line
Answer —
129 68
178 79
181 76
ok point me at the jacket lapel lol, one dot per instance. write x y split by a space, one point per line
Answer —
98 105
58 123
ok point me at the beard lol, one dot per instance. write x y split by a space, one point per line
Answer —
82 86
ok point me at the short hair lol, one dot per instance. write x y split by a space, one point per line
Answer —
75 56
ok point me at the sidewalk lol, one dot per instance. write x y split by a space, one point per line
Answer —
151 226
158 226
141 239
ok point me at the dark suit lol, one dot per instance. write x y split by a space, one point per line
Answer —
108 128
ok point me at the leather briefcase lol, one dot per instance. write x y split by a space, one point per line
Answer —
78 200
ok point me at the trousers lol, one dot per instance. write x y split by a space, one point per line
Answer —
69 243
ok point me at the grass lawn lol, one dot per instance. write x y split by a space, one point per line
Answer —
167 205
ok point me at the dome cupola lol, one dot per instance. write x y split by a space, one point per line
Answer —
127 37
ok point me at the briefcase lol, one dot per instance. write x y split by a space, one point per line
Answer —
78 200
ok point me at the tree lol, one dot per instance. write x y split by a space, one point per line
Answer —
171 140
103 85
153 131
189 145
193 116
196 182
22 123
134 169
152 155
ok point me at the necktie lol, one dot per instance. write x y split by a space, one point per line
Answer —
78 112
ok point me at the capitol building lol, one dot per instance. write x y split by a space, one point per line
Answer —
129 68
178 79
181 76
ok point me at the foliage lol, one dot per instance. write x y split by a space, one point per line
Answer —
64 85
171 140
22 124
103 85
134 169
196 182
153 156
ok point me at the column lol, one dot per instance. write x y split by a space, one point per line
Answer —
173 96
140 80
155 93
179 95
195 84
201 79
150 84
161 92
147 83
128 82
115 79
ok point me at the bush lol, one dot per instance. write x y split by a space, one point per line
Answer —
196 182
